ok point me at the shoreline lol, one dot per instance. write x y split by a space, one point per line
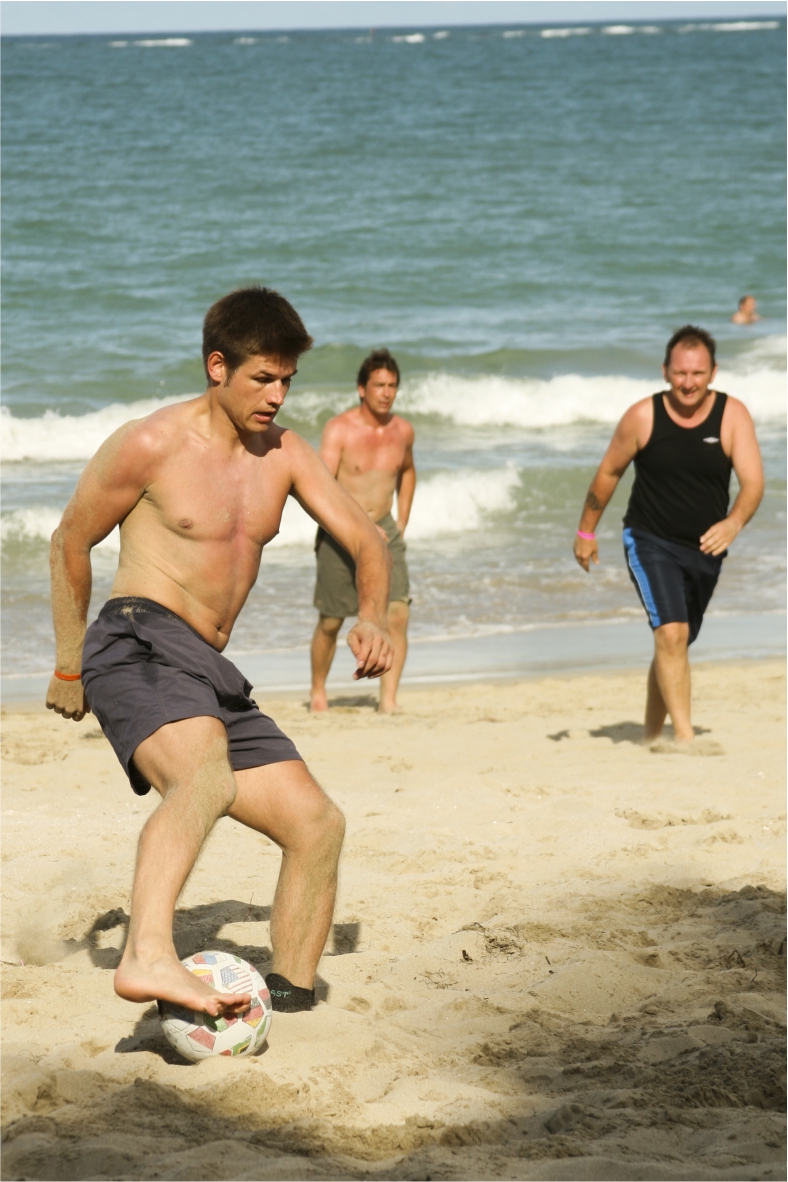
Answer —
541 651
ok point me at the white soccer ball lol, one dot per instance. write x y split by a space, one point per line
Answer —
199 1036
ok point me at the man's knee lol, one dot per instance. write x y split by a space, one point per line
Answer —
322 831
398 613
329 626
671 639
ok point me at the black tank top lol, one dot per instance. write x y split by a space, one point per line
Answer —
682 478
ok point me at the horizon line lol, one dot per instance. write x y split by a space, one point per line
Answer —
533 24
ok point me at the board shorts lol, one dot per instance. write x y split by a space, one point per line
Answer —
335 588
675 583
143 667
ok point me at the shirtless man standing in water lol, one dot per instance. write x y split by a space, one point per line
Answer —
370 451
198 490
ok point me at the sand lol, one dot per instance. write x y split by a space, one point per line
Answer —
556 955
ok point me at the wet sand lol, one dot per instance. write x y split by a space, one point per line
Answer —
556 954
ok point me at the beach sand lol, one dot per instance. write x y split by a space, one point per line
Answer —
556 954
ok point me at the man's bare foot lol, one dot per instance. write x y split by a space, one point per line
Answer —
318 703
692 747
389 708
166 979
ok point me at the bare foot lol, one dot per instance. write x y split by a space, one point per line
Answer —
318 703
385 708
694 747
166 979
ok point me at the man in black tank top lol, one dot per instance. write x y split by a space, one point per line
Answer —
684 441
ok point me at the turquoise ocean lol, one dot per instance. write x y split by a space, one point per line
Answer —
522 215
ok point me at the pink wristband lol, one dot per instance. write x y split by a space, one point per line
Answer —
588 537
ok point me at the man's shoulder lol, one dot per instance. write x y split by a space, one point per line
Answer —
735 411
345 421
405 427
160 429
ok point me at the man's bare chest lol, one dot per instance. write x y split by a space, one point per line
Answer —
364 452
206 501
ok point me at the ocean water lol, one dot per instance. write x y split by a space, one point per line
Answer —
522 215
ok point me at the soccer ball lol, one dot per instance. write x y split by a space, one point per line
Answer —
199 1036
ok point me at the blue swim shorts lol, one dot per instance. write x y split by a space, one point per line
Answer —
675 583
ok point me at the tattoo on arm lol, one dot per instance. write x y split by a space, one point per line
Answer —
593 501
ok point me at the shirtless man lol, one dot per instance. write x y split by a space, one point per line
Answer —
198 490
684 442
370 451
747 312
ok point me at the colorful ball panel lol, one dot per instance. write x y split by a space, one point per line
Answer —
198 1036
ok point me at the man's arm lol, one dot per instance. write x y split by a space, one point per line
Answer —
406 483
108 490
746 457
634 427
331 445
331 506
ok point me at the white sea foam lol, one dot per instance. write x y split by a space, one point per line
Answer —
744 26
514 33
441 36
579 32
38 522
245 41
411 38
570 398
164 42
448 503
618 30
756 376
69 437
453 502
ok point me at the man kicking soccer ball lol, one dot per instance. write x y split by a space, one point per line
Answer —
198 489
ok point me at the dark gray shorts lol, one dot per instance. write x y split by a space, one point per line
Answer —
143 666
335 588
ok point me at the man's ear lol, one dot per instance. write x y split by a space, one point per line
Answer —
216 368
361 392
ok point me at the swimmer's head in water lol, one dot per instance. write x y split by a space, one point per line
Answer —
747 303
691 337
253 321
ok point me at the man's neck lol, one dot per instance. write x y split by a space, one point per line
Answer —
687 413
370 419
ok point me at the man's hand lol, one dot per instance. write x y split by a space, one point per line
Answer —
586 552
371 647
718 538
67 698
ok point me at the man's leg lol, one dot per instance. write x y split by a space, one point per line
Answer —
324 645
186 762
398 614
283 801
669 684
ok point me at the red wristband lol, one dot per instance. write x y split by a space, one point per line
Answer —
588 537
68 676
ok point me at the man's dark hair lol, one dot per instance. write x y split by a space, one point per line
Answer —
378 359
253 321
691 335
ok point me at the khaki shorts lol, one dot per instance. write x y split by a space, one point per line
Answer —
335 588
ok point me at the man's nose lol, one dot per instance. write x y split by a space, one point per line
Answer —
276 393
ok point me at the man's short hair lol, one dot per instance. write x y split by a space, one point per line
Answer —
378 359
250 322
692 336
